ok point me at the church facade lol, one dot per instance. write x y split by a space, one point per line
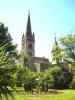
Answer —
38 64
28 49
28 40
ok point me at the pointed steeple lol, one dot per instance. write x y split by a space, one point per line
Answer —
55 39
28 29
23 36
55 45
33 34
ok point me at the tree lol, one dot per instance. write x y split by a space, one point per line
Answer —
56 53
68 46
8 66
62 77
26 78
21 75
25 59
48 80
5 38
45 80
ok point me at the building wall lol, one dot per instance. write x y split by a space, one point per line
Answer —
37 66
25 48
44 66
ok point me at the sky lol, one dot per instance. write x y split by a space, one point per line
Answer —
47 18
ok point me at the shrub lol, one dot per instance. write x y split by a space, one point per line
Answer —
72 85
62 78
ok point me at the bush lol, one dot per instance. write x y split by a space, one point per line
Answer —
62 78
72 85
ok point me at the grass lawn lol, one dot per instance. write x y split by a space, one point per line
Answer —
66 95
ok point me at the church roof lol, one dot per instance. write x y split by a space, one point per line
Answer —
28 28
41 59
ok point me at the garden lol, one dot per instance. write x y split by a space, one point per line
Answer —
59 95
20 83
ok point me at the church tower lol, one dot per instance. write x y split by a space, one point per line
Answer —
28 40
56 52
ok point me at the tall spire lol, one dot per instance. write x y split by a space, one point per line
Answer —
28 29
55 39
55 45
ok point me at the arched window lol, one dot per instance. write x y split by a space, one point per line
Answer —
29 46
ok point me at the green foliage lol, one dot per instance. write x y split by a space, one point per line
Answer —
68 46
62 77
65 95
45 81
5 39
30 80
21 75
72 84
56 53
7 69
25 59
8 66
26 78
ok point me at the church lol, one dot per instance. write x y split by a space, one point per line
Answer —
28 49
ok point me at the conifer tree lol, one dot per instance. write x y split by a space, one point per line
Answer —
8 66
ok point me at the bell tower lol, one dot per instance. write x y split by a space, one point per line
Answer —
54 49
28 40
56 53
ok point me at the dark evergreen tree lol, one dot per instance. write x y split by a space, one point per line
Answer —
8 66
5 39
62 77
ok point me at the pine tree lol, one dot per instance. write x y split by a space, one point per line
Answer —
8 66
5 38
